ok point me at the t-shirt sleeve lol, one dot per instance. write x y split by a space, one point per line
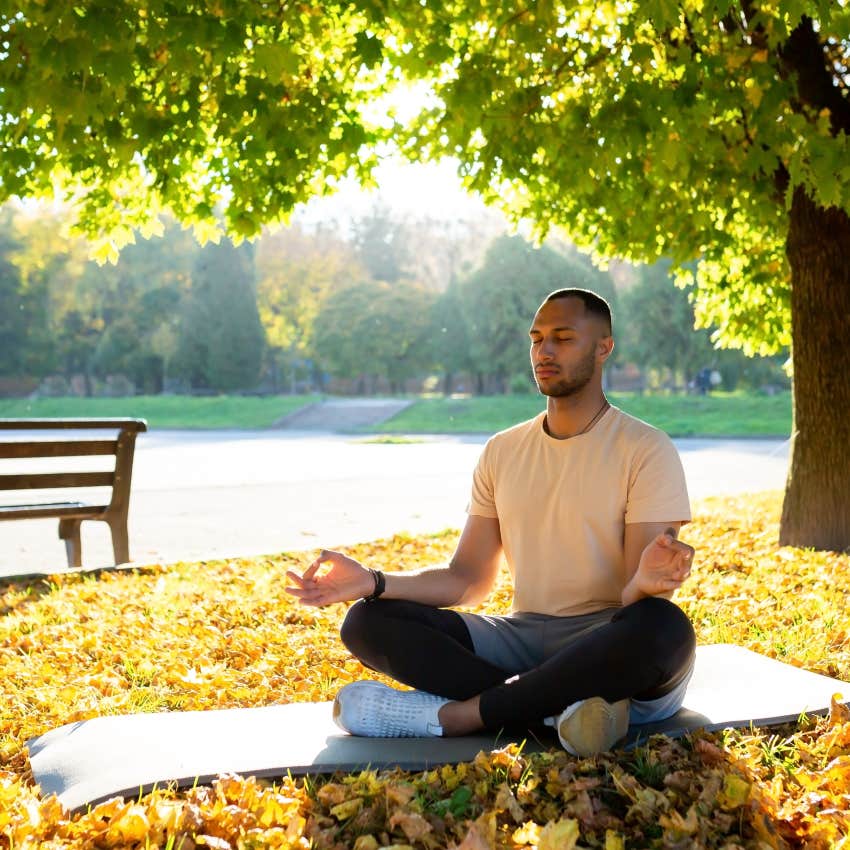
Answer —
482 501
657 488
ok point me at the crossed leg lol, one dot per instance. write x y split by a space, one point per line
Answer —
643 652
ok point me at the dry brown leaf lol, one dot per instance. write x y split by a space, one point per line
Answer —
412 824
506 801
481 834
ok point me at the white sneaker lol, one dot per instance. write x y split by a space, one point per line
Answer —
373 710
591 726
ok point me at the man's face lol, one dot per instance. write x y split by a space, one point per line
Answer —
567 346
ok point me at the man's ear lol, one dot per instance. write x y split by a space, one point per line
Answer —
604 347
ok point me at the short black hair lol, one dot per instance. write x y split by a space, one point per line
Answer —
593 302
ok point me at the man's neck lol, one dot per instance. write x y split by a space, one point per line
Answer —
569 416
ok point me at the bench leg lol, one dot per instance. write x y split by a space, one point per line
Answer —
69 531
120 540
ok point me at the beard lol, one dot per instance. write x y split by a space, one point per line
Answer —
574 381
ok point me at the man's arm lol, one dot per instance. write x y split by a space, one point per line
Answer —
656 562
466 580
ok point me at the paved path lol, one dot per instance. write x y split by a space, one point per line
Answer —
343 414
227 493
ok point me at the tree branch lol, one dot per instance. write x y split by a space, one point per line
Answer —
805 58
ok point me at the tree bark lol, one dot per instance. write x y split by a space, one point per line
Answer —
816 510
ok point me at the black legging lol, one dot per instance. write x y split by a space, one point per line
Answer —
643 652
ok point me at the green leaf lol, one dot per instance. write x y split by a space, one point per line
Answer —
369 48
277 60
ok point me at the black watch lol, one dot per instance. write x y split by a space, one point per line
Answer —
380 585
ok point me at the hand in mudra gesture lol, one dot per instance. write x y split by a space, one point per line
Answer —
664 564
346 579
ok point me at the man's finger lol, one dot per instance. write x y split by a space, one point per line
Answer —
311 571
299 580
308 595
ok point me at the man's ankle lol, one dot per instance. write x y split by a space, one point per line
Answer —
460 717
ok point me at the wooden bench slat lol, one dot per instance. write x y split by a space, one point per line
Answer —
55 509
127 424
61 448
45 480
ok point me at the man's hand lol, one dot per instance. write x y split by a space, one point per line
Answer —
664 564
346 579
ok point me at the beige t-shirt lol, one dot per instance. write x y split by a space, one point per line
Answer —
563 505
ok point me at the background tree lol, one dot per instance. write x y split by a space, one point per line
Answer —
383 244
656 332
450 336
138 304
501 296
52 264
26 346
297 268
221 339
372 329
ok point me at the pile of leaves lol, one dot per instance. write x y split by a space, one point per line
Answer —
224 634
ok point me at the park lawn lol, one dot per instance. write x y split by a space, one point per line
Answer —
224 634
717 415
165 411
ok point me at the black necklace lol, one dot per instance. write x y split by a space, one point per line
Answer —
586 428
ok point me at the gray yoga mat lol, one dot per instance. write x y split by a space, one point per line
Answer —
89 761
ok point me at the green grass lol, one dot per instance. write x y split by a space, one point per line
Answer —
165 411
388 440
718 415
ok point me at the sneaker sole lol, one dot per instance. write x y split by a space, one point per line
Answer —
596 726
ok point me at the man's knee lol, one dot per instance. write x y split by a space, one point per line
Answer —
358 626
661 622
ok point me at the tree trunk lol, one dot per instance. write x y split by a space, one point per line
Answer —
816 511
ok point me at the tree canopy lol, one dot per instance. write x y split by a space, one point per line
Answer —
129 107
646 129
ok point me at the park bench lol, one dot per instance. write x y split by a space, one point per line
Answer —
65 445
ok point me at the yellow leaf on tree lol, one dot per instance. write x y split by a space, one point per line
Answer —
753 92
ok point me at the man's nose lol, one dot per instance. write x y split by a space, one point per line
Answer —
546 350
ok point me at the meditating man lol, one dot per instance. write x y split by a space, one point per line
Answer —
584 503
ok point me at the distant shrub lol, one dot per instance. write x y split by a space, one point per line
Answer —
53 386
520 384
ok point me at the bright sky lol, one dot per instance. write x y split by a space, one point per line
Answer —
413 190
430 190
